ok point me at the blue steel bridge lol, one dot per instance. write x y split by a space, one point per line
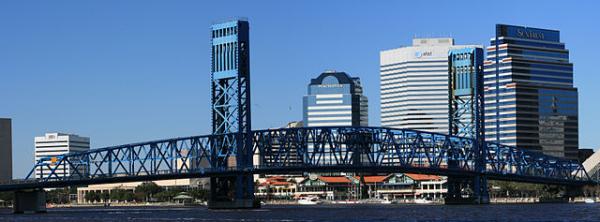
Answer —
316 149
298 150
233 153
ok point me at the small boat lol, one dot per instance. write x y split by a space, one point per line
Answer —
424 201
589 201
311 200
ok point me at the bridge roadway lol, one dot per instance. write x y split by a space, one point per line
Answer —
294 150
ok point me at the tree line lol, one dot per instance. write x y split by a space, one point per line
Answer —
145 192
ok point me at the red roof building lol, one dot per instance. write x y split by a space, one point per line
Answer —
372 179
422 177
335 179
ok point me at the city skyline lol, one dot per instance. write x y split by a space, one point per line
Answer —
119 104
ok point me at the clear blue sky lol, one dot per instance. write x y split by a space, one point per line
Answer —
129 71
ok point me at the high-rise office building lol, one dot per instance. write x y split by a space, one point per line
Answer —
52 145
414 85
5 149
335 99
530 100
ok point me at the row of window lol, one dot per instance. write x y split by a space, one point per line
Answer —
519 52
441 71
416 67
527 43
515 64
521 72
403 99
224 32
417 86
542 98
413 62
405 78
224 57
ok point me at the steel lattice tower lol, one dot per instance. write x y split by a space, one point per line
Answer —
230 84
466 93
466 117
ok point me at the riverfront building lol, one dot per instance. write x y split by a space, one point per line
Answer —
52 145
530 100
414 85
177 184
5 149
335 99
398 187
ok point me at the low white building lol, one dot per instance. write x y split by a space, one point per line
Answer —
109 187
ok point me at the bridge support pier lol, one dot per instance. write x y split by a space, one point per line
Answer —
467 190
30 201
235 192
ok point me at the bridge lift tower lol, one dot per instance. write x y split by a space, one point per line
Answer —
466 119
231 122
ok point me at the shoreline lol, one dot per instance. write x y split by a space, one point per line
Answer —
294 203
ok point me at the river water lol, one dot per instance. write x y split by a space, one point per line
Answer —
494 212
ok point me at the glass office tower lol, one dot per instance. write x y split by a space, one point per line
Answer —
335 99
530 101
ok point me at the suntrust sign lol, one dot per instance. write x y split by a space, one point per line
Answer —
526 33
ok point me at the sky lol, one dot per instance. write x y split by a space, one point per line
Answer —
131 71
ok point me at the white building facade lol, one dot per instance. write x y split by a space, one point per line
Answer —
52 145
414 85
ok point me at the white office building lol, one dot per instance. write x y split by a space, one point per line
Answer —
53 145
414 85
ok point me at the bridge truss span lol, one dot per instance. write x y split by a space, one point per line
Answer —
316 149
170 156
361 146
404 150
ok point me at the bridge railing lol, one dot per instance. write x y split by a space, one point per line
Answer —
308 149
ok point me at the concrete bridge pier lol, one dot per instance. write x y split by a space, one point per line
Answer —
30 201
467 190
234 192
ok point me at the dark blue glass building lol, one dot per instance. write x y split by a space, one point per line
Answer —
335 99
530 100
